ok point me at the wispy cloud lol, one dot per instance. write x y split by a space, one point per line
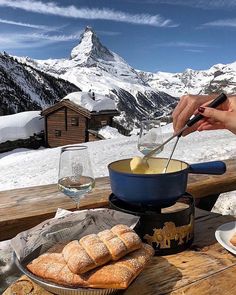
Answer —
185 46
18 41
194 50
32 40
182 44
221 23
41 27
210 4
56 38
88 13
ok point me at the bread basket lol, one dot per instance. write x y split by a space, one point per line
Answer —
58 289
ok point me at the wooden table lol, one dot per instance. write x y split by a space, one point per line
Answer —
21 209
205 269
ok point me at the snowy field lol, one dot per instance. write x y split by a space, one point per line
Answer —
21 167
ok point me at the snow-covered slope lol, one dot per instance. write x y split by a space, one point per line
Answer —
24 88
92 66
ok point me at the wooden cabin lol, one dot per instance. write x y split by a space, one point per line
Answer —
69 123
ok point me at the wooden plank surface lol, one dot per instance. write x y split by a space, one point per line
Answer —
21 209
222 282
204 269
24 208
173 274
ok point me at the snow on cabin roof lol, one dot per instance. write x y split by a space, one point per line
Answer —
20 126
85 100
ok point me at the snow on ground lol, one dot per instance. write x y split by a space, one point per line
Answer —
22 167
110 132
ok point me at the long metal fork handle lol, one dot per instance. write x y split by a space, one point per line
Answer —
172 152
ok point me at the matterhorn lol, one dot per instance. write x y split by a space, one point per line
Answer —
93 67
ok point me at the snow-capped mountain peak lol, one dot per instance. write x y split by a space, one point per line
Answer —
89 50
93 67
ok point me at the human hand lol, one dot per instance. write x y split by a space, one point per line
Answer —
224 117
186 107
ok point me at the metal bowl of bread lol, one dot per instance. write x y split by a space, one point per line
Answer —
101 263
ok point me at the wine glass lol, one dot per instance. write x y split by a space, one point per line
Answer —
75 173
150 136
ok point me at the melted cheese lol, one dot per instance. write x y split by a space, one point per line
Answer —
138 165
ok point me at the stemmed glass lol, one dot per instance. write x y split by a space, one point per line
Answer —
75 177
150 136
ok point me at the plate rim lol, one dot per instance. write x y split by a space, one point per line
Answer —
227 246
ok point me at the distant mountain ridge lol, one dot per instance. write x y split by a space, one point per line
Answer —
218 78
92 66
25 88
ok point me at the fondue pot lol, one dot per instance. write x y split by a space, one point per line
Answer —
156 189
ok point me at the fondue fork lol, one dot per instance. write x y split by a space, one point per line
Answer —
215 103
172 152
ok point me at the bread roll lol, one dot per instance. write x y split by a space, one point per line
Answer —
77 258
120 274
117 275
115 245
52 267
131 240
93 250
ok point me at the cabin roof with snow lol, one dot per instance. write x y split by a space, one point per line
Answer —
86 103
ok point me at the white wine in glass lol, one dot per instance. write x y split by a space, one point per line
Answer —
75 172
150 136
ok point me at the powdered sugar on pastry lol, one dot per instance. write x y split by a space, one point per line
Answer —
119 274
97 249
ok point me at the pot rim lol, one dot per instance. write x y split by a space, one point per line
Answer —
150 174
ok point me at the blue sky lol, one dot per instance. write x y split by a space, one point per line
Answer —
151 35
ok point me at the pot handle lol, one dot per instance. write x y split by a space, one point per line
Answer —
214 167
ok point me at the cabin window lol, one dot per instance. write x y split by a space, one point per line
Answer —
74 121
103 123
57 133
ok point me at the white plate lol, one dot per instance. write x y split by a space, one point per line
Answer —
224 233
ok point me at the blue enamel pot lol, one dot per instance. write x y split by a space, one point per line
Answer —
156 189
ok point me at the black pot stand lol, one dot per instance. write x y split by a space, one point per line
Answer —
169 230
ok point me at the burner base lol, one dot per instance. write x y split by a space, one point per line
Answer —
169 230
